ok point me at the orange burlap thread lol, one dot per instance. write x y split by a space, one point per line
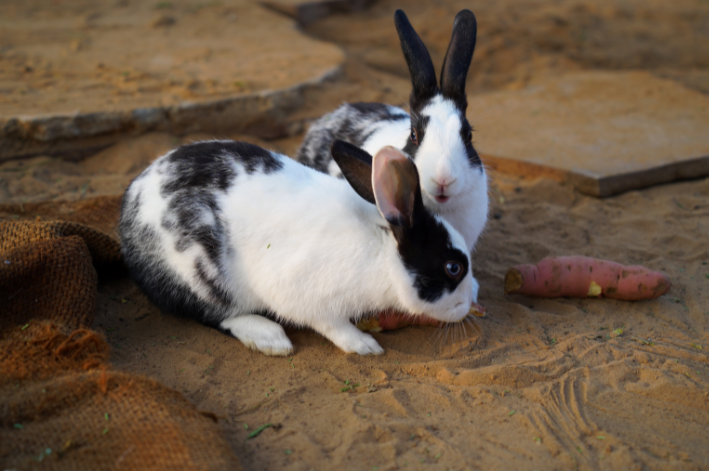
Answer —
61 405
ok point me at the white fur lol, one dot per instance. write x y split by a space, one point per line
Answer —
441 156
305 246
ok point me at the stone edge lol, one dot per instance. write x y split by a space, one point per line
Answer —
74 136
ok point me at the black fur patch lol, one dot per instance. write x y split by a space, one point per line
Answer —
173 296
216 291
208 164
164 290
184 218
352 128
199 171
465 130
378 111
425 249
419 123
473 156
315 150
411 149
350 133
201 165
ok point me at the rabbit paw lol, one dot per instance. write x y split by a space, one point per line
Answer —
351 340
259 333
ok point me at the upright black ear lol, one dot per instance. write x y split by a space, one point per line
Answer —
356 166
458 58
423 75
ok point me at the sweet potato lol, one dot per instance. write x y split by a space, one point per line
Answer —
390 320
581 277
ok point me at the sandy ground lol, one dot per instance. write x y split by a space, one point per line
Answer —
85 56
540 383
537 385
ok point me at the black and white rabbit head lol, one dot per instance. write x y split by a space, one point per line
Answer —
434 276
441 136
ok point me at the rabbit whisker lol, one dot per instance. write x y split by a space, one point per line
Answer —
480 115
481 103
404 100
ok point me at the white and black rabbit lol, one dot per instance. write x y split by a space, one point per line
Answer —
437 134
233 235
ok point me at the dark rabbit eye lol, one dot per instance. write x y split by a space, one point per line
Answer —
469 136
414 137
454 270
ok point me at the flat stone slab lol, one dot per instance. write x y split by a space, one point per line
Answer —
607 132
71 72
308 11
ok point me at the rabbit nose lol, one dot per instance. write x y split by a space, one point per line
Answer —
441 187
443 183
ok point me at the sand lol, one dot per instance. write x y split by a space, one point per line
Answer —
178 52
539 383
79 76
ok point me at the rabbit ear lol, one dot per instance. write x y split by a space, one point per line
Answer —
356 166
423 75
396 186
458 58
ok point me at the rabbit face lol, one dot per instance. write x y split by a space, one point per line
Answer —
441 283
448 162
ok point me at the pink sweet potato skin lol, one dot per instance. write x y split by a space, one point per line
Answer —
391 320
572 276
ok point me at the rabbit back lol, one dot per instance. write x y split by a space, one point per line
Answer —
174 233
361 124
220 229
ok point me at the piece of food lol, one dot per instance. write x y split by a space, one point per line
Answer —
391 320
477 310
581 277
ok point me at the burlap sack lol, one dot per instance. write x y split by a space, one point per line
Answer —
61 406
99 213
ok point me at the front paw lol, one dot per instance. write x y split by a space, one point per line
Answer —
365 345
351 340
259 333
271 345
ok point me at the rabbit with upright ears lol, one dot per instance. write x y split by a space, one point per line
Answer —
437 134
238 237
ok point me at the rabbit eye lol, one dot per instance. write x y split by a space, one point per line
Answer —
454 270
414 137
469 136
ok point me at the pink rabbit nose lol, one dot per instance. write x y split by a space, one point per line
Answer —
444 181
441 187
